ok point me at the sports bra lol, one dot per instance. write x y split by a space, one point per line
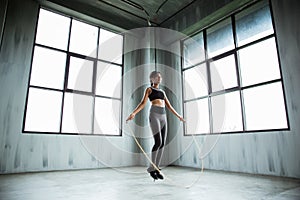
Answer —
156 94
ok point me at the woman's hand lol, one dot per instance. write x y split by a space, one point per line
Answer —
131 116
181 119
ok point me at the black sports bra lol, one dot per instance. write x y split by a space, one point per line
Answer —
156 94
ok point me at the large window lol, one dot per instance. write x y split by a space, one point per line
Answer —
231 75
75 80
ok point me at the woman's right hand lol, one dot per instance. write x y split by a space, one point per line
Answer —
131 116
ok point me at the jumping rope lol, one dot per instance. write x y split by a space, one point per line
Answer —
166 177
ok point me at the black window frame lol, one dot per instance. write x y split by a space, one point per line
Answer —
239 88
65 89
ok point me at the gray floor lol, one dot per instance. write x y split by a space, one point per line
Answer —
134 183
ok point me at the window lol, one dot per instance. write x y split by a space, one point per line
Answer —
236 86
75 80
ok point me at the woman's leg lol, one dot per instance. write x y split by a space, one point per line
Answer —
158 123
155 127
163 137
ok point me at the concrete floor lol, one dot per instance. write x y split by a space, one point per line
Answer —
134 183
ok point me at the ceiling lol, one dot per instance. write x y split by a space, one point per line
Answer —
128 14
157 11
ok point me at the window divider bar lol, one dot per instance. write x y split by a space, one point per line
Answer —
182 85
238 73
192 66
255 42
64 90
109 62
51 48
79 92
239 132
106 97
45 88
233 89
210 112
94 83
67 67
196 99
68 133
261 84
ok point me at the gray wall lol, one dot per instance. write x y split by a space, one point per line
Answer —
270 153
39 152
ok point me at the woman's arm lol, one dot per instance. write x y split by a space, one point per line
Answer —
141 104
170 107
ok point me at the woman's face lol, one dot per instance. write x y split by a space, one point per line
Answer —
157 79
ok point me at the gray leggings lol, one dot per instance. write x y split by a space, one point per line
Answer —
158 124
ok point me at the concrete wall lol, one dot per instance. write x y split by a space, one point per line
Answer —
270 153
40 152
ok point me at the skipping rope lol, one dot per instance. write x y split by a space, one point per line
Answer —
166 177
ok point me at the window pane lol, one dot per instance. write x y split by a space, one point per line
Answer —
53 30
107 116
83 38
223 73
77 113
80 74
193 50
108 80
195 82
43 110
110 46
48 68
264 107
227 115
220 38
259 63
253 23
197 117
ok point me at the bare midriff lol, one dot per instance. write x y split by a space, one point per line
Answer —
158 102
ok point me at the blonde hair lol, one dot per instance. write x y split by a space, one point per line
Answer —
153 75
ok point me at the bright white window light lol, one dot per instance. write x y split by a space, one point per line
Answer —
110 46
107 116
80 74
108 80
195 82
43 110
197 117
77 114
48 68
223 73
227 113
83 38
259 63
53 30
264 107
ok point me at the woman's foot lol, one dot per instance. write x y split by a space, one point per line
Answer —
159 175
153 175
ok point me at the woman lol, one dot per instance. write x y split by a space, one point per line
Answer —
157 118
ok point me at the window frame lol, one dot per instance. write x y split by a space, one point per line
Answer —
239 88
65 89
